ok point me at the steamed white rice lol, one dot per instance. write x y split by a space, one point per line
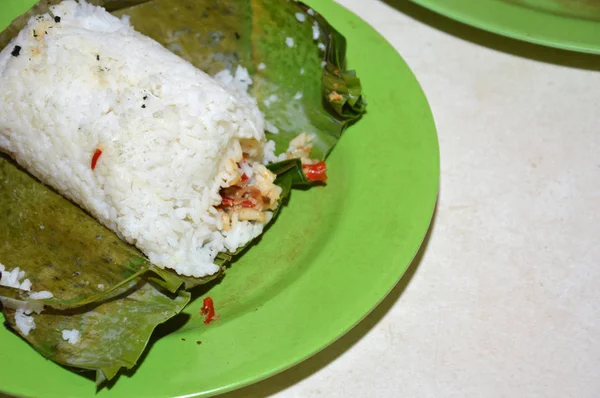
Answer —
15 278
25 322
170 135
71 336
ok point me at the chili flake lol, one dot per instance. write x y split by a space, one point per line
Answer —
95 158
247 204
315 172
226 201
208 309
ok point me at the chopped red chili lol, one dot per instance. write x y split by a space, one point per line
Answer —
315 172
95 158
242 195
226 201
244 177
208 309
247 204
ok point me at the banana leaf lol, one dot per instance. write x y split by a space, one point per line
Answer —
61 248
300 79
102 286
293 85
114 334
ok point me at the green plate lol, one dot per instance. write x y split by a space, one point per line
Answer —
331 257
568 24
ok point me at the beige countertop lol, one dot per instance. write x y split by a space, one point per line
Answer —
504 300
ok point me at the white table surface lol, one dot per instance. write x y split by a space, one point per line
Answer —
504 300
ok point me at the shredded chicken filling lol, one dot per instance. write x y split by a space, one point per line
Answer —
250 198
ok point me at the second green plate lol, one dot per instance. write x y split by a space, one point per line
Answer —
567 24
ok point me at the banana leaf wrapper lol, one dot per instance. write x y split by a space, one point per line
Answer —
103 286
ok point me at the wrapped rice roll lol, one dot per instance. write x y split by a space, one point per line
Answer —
158 151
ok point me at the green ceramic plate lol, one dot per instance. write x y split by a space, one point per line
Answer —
568 24
330 258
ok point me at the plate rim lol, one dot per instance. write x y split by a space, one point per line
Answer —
581 30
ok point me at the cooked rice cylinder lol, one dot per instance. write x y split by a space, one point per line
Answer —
81 81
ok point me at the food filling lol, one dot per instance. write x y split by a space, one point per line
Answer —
252 195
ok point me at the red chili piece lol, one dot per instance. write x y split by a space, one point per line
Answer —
315 172
226 201
247 204
244 177
95 158
208 309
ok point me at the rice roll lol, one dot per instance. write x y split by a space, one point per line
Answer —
168 157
